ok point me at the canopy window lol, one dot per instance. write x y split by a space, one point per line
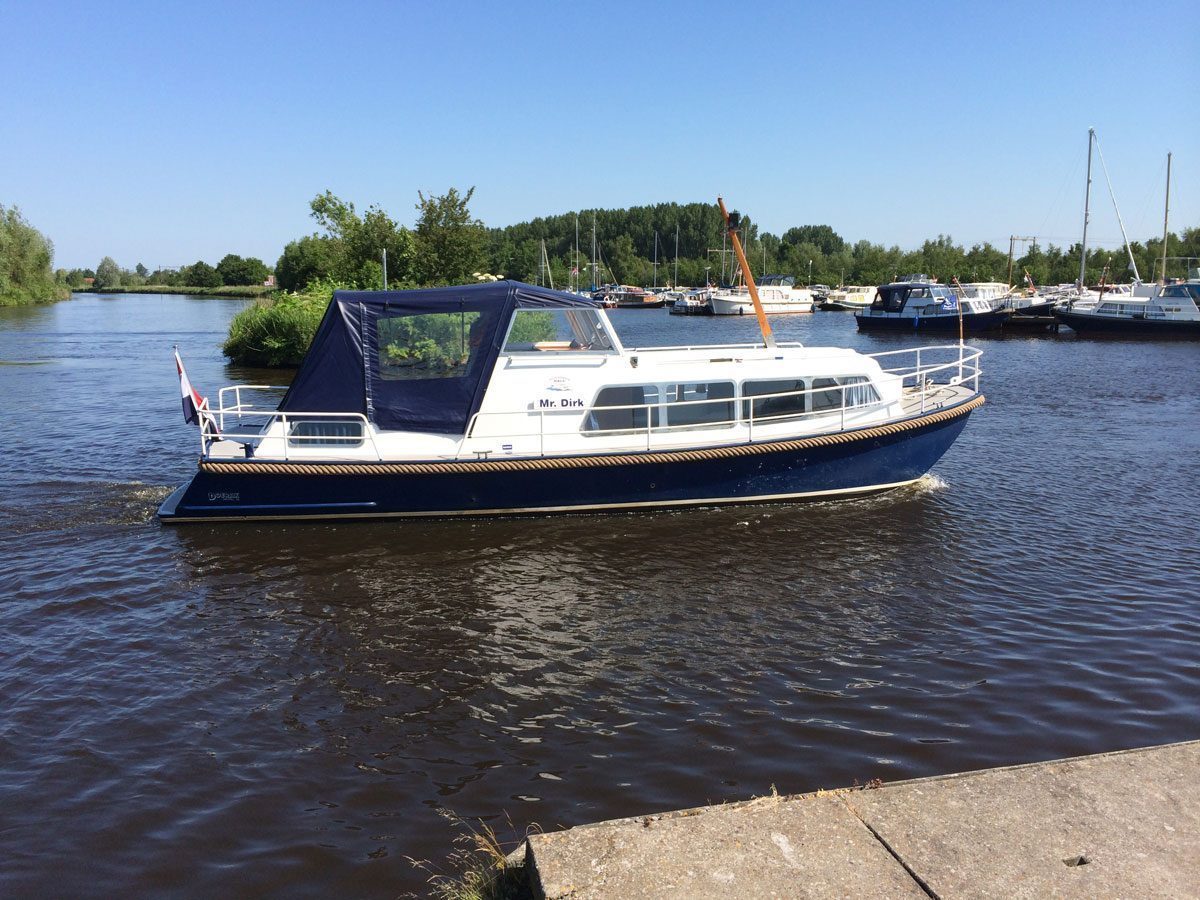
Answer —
420 360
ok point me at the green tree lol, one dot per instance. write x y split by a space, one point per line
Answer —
141 271
450 244
26 259
823 237
352 248
233 269
200 274
108 273
311 258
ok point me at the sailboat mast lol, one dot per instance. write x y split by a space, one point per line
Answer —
676 279
1166 215
575 256
594 285
656 259
1087 201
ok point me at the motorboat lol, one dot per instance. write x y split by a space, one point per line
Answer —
994 292
910 305
777 294
504 398
696 302
625 296
848 298
1166 311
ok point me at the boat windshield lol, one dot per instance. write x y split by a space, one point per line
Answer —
1180 291
541 330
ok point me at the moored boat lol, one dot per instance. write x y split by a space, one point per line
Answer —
504 398
1171 311
695 302
777 294
925 306
625 296
848 298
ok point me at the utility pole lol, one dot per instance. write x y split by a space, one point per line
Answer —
385 268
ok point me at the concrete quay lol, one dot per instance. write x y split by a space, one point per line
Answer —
1123 824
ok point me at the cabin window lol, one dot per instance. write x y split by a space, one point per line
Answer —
623 408
325 432
826 394
542 330
852 391
859 391
432 345
776 408
706 404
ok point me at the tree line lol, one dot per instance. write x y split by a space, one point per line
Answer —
26 256
448 245
231 270
627 241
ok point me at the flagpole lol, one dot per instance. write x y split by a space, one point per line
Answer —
961 344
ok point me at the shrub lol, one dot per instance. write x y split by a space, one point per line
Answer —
275 332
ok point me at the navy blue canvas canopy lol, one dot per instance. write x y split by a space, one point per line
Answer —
343 370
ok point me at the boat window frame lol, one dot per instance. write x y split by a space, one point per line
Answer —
730 420
299 423
603 327
423 371
748 402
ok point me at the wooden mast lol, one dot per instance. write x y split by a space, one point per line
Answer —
731 229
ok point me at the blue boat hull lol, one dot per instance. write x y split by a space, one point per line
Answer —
842 464
973 322
1127 326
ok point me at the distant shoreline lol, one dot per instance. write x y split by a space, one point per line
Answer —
246 291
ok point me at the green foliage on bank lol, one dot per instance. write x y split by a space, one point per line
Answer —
227 278
26 256
275 332
234 290
446 247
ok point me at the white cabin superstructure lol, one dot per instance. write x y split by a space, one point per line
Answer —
777 294
583 392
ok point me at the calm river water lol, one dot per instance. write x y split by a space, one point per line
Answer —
289 708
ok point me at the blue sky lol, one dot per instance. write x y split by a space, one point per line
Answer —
164 134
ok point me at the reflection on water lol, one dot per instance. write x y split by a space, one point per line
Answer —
288 707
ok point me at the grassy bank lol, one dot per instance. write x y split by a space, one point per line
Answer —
275 332
230 290
44 293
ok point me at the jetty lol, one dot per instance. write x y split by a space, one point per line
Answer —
1115 824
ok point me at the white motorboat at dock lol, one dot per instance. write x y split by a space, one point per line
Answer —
777 294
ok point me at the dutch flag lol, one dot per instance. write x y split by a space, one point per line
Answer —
195 407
